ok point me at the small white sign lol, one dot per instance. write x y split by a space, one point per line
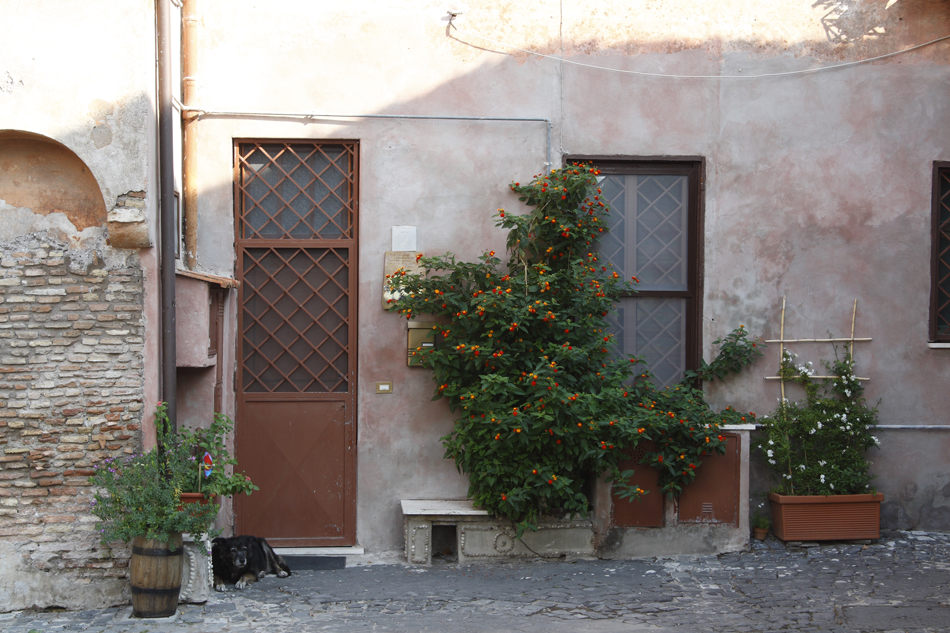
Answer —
404 238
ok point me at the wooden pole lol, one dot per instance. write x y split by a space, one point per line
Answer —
854 313
781 347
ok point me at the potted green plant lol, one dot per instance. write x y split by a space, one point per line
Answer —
760 525
137 499
202 459
816 448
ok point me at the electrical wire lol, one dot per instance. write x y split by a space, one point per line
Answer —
665 76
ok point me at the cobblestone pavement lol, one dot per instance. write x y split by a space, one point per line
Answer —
900 583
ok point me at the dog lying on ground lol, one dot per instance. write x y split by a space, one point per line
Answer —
244 559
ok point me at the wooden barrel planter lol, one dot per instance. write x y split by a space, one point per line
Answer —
155 574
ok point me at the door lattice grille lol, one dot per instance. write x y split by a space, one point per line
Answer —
296 320
296 191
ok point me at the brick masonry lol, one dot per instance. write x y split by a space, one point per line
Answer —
71 386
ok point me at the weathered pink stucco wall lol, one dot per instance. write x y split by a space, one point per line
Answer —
817 185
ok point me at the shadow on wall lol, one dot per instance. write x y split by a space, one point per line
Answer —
846 22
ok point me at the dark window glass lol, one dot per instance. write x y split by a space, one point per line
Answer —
654 236
940 265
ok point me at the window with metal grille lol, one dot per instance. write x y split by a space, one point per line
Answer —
655 236
940 258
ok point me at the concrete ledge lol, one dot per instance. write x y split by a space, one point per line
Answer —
677 540
553 539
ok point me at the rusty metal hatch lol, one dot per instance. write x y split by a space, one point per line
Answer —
648 510
713 497
296 242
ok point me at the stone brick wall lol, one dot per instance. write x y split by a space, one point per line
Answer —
71 385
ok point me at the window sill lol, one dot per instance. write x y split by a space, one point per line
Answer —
938 345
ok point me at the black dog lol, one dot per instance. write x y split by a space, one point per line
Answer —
243 559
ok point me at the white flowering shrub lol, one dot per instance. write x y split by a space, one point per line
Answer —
817 446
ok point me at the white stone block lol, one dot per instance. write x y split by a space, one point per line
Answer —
404 238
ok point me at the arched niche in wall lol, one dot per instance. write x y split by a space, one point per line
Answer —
46 177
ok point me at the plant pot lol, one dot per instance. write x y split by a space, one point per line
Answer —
826 518
155 575
760 533
196 497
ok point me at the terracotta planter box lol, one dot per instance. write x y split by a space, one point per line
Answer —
196 497
832 518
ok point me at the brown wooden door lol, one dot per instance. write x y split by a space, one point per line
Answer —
296 246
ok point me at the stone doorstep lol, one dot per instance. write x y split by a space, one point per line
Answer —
355 550
321 558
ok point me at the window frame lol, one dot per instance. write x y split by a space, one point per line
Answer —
941 169
694 168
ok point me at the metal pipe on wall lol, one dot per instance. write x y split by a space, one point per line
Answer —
313 116
167 221
189 155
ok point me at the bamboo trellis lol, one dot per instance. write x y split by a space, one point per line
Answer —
782 341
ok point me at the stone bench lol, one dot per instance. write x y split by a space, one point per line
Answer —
475 534
419 515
